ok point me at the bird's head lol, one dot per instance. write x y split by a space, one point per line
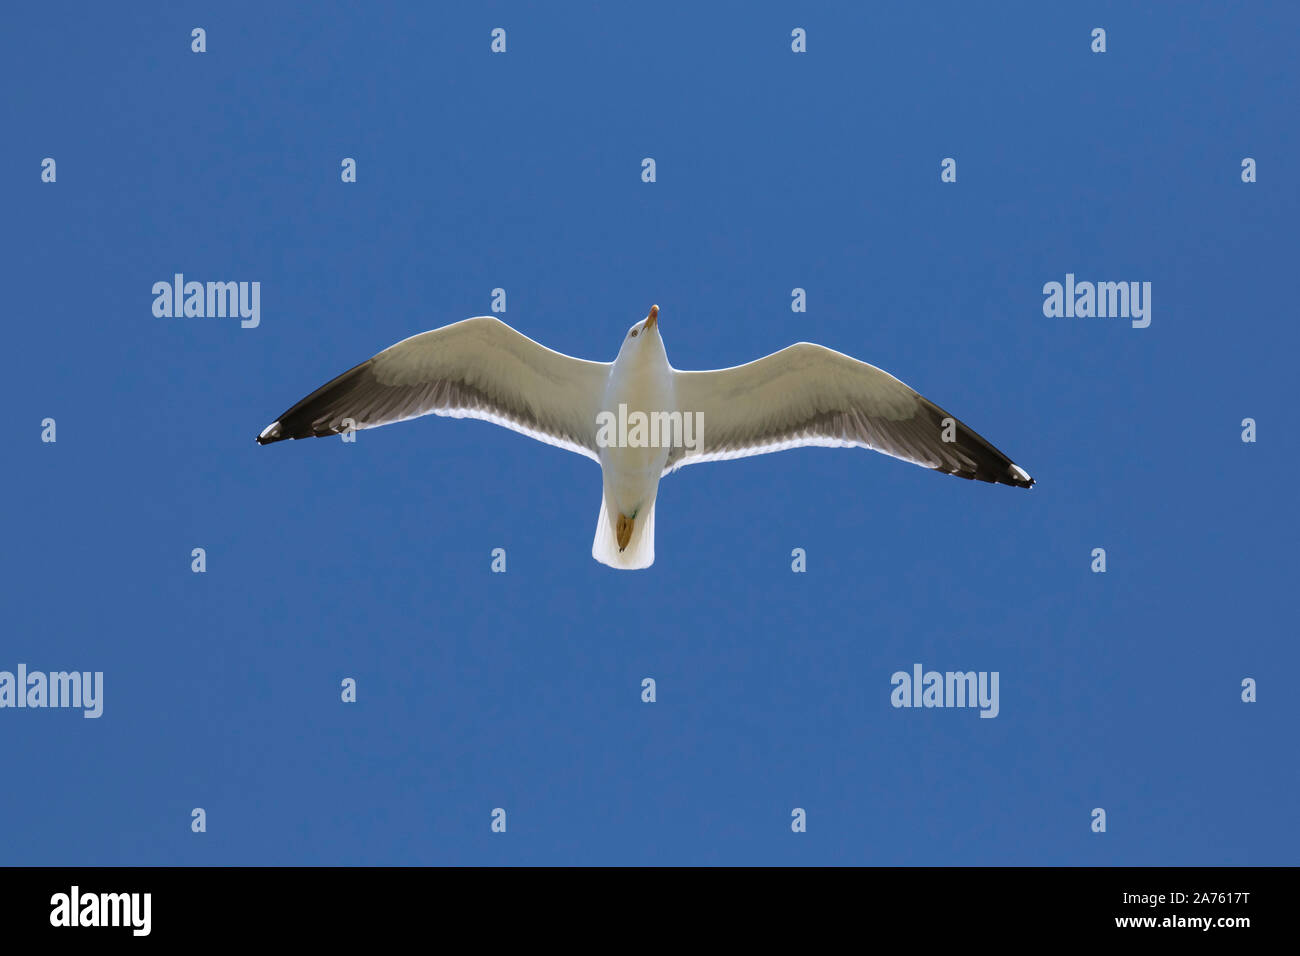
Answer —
642 340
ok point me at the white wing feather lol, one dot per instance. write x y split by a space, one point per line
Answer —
478 368
811 395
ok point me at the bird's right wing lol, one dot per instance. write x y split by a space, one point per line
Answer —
811 395
479 368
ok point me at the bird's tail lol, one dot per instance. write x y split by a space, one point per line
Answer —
640 550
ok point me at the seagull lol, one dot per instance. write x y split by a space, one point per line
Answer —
638 417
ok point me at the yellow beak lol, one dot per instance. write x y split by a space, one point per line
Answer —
654 317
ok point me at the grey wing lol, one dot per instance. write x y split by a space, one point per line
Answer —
811 395
479 368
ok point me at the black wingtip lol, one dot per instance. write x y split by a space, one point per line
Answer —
1019 477
271 433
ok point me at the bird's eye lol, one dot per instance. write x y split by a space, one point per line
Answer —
634 331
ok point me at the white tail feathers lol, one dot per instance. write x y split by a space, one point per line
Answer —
640 550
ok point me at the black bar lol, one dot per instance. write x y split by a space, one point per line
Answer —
336 905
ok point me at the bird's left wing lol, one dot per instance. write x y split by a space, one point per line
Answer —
811 395
479 368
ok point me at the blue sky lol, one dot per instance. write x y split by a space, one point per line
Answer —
521 690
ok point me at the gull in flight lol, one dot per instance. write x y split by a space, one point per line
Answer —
638 417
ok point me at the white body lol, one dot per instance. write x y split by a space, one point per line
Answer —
640 380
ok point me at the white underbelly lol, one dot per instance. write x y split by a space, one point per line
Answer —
637 446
